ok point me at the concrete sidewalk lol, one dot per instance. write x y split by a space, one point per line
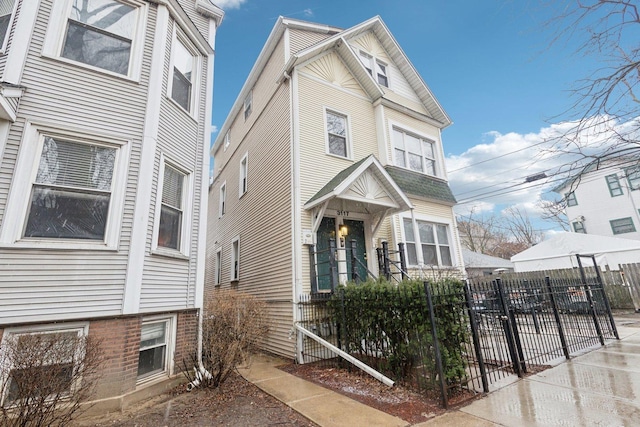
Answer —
598 388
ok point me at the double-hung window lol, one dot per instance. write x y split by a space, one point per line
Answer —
571 199
578 227
242 184
235 259
156 347
218 266
172 208
101 33
633 177
367 61
622 225
222 209
71 192
433 245
248 105
381 72
413 152
615 189
184 64
371 63
51 354
337 143
6 12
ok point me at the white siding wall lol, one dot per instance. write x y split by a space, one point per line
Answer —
71 284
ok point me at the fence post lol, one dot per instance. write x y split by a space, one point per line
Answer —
403 261
508 330
476 337
354 260
380 256
605 299
592 308
556 314
385 260
312 268
333 270
436 347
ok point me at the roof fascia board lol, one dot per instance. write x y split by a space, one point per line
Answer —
208 9
187 25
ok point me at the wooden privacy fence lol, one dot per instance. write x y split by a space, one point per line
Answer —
631 278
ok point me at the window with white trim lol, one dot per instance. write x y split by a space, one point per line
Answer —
578 227
381 73
613 182
235 259
248 105
6 13
222 208
218 266
242 184
633 177
571 199
172 208
156 347
184 67
227 140
367 61
101 33
413 152
71 191
371 63
337 143
53 351
622 225
433 245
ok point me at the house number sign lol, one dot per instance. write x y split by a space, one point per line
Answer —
343 213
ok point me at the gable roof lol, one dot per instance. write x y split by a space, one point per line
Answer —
377 26
342 182
337 40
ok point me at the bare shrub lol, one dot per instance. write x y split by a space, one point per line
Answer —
232 326
45 377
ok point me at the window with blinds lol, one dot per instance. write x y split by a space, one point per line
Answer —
71 192
171 208
153 348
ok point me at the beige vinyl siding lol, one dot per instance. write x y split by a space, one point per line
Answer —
262 92
169 283
72 284
262 217
330 68
301 39
401 100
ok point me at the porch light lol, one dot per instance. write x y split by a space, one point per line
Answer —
343 230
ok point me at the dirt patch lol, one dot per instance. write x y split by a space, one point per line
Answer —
237 403
409 405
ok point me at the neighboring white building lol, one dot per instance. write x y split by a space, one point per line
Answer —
605 199
560 252
105 109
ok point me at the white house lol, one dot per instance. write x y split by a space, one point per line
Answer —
605 199
105 110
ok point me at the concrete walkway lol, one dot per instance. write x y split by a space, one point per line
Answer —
600 388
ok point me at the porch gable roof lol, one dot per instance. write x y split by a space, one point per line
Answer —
340 184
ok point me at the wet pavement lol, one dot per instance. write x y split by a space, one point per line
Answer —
600 388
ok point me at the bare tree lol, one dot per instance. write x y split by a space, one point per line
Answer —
554 211
46 377
603 123
479 233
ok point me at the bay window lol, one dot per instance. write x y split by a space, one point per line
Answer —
413 152
433 247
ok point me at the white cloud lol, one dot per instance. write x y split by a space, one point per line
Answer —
214 129
494 174
229 4
308 12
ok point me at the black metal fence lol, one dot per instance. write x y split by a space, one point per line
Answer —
458 339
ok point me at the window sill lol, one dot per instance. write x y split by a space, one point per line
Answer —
152 379
169 253
349 159
66 245
84 66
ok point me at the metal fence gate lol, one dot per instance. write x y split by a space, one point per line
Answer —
522 323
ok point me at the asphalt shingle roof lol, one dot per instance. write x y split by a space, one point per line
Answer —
421 185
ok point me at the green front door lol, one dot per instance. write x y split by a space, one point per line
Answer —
326 231
355 231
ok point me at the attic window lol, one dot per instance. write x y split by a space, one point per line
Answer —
370 63
366 61
381 71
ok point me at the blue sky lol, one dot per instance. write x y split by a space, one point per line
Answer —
490 65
